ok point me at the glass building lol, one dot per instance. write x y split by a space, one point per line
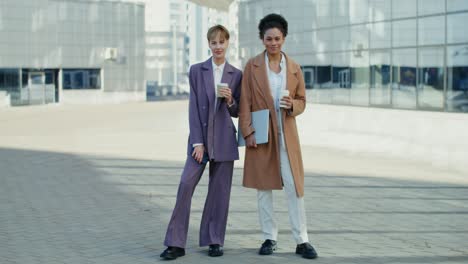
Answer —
404 54
71 51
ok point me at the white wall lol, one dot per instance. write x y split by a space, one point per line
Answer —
439 138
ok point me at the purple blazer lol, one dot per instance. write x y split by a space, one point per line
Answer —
213 127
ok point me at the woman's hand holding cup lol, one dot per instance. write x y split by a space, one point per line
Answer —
224 91
286 100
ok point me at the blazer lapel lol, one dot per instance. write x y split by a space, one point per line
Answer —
209 81
261 78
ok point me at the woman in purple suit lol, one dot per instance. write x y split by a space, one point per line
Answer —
212 140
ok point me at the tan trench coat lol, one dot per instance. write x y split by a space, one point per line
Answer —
262 165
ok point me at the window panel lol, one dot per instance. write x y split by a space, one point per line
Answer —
431 78
404 33
341 39
380 36
427 7
81 79
403 8
359 78
457 5
432 30
359 37
457 78
359 11
341 11
380 92
380 10
323 13
456 28
404 78
341 78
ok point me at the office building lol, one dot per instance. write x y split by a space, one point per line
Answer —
71 51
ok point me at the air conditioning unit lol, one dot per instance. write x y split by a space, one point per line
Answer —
110 54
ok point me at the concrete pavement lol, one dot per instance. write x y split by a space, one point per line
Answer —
96 184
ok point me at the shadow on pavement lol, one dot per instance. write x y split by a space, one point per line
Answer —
77 208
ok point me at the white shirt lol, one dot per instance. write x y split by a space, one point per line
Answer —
277 80
217 74
277 83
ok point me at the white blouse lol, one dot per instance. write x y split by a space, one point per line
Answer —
277 83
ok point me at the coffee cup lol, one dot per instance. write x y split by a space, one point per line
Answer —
220 86
283 93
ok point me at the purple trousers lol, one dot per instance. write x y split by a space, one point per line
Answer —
215 212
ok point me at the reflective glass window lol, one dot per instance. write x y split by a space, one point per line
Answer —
432 30
457 5
359 11
457 78
404 78
359 78
324 40
341 39
456 28
431 78
81 79
9 79
427 7
322 84
380 78
341 12
359 37
324 13
404 33
380 35
404 8
341 78
380 10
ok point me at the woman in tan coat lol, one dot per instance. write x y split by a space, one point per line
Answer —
268 77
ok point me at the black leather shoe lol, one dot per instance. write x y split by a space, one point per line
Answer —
172 253
267 247
215 251
306 250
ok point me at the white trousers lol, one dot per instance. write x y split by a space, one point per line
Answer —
297 216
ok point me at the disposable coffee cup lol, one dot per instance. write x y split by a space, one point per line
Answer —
283 93
220 86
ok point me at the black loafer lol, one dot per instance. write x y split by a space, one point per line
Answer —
215 250
267 247
306 250
172 253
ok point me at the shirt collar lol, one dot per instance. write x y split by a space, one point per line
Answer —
282 62
221 67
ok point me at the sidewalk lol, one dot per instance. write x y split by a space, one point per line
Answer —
97 184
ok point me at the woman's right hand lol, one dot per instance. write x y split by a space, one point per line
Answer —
198 152
250 141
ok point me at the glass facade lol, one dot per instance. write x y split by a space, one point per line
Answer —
407 54
404 54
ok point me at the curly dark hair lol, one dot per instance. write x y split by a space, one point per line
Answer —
273 21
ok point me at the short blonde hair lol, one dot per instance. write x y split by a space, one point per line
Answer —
214 30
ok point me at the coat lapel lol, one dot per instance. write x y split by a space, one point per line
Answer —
261 78
208 81
291 76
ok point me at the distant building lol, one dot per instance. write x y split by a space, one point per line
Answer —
71 51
